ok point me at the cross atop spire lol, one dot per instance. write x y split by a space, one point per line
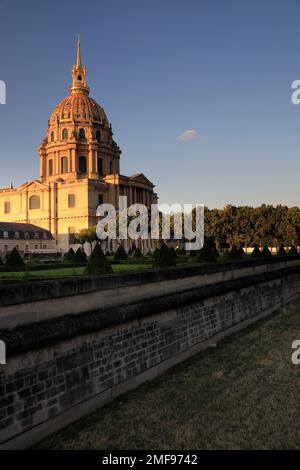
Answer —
78 57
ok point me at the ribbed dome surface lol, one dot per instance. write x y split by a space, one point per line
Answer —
79 107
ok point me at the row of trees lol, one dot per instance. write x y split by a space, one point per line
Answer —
247 226
244 225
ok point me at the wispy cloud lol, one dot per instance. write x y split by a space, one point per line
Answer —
188 135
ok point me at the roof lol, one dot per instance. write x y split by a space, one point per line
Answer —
19 227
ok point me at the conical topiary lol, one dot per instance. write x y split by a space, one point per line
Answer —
234 253
242 252
1 262
293 251
98 263
14 259
208 253
69 257
164 258
137 253
79 256
155 252
173 252
120 253
256 253
281 251
266 253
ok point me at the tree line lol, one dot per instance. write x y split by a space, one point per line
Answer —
248 226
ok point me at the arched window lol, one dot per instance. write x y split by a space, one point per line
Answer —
79 78
64 165
82 165
50 167
71 200
52 137
34 202
81 133
64 134
7 207
100 166
98 136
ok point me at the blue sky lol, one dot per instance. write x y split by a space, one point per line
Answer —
159 68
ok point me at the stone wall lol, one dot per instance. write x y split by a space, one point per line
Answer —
62 368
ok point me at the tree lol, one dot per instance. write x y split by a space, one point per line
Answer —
164 258
137 253
281 251
14 259
120 253
234 253
81 237
98 263
266 253
256 253
173 252
208 253
293 251
69 257
80 256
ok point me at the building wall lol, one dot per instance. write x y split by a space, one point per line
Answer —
45 387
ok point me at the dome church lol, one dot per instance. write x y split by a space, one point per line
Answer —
79 169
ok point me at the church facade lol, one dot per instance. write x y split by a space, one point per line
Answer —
79 169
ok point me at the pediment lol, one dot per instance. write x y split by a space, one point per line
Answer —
141 178
33 185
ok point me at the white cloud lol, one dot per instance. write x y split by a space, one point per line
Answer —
188 135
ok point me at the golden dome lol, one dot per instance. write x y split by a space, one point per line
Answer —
79 107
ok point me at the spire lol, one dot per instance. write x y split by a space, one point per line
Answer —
79 73
78 57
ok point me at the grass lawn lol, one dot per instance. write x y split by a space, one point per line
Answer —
66 272
245 394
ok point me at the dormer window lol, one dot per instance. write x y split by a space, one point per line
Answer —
81 134
64 134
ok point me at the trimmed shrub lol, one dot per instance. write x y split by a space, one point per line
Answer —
293 251
155 252
69 257
208 253
14 259
120 253
256 253
234 253
98 263
266 253
80 256
281 251
164 258
173 252
137 253
1 262
242 252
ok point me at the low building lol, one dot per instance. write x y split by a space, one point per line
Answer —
27 238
